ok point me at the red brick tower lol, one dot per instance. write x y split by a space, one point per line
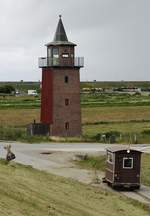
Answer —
60 97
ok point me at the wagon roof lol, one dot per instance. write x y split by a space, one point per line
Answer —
121 148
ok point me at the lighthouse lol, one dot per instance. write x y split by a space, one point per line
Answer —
60 93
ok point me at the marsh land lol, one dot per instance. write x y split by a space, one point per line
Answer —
124 115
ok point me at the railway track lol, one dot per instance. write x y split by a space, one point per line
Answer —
136 195
142 195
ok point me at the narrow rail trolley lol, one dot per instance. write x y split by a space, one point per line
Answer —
123 167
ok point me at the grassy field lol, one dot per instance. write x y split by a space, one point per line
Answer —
18 117
90 115
115 114
114 99
126 121
19 102
24 86
98 163
28 192
125 116
115 84
87 100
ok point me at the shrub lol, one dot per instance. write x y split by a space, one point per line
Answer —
146 132
10 133
7 89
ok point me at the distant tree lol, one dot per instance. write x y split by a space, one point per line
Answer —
7 89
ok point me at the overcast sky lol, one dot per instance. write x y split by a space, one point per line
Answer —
112 35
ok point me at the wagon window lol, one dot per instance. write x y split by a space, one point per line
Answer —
128 163
109 157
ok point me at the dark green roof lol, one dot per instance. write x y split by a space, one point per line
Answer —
60 34
60 37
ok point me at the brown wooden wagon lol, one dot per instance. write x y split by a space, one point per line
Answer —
123 167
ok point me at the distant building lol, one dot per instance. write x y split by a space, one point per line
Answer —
128 89
132 89
32 92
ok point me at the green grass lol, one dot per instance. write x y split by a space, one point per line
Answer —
29 192
116 84
128 121
24 86
114 99
19 102
98 163
87 100
146 169
125 121
93 162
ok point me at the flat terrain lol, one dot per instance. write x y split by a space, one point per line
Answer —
115 84
89 115
115 114
127 121
125 116
18 117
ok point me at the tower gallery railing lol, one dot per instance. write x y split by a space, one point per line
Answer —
61 62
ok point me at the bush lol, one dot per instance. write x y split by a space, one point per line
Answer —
7 89
146 132
10 133
109 136
112 133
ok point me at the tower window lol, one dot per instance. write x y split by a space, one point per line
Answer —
67 125
55 53
49 52
65 55
66 101
66 79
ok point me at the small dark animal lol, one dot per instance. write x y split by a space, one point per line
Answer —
10 155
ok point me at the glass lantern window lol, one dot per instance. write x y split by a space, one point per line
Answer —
55 53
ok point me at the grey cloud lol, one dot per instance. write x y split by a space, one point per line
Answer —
113 35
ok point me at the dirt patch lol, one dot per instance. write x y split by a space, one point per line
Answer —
46 153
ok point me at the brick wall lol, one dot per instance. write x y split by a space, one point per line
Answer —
47 96
62 113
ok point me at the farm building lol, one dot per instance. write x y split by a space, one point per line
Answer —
123 167
32 92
